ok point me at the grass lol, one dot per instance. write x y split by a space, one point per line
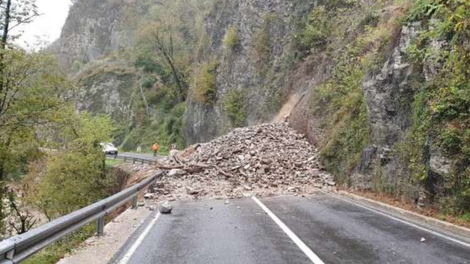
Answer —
59 249
113 162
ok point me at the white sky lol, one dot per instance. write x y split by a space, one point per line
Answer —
47 27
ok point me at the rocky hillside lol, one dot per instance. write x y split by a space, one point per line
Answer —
251 45
377 86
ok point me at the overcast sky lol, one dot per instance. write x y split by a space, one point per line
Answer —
48 26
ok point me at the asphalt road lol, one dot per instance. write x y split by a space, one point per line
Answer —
322 226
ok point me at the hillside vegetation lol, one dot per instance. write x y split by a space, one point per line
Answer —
382 84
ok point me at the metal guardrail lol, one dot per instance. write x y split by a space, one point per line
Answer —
17 249
134 160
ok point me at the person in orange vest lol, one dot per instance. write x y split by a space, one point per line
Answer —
155 148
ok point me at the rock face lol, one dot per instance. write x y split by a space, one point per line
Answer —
107 92
93 29
256 65
387 93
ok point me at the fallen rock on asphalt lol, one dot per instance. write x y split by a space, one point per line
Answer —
264 160
165 208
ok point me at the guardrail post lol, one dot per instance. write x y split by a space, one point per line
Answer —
134 202
133 161
125 158
100 226
142 162
10 254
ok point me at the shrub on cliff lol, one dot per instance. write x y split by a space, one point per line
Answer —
205 88
235 107
231 38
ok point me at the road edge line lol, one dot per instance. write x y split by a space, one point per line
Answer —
127 256
435 233
450 227
310 254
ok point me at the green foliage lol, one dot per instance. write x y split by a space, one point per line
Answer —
355 38
325 23
149 65
347 128
440 113
231 38
262 41
205 88
78 169
317 29
235 107
423 9
165 131
65 246
262 45
113 162
32 89
466 217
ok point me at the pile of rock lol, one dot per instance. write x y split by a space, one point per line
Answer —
268 159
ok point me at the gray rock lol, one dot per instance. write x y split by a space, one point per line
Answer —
165 207
176 172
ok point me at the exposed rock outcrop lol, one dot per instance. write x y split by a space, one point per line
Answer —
257 65
387 93
107 91
93 29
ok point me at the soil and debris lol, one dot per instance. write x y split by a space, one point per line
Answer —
264 160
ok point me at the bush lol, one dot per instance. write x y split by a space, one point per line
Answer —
231 38
342 100
235 107
262 45
317 29
205 83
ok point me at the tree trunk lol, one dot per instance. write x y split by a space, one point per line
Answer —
7 25
143 95
3 45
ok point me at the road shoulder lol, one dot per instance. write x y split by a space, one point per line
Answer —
100 250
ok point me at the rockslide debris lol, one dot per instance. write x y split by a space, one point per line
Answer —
263 160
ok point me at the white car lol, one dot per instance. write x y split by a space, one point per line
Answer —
109 149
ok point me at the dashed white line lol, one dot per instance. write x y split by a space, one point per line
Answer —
125 259
406 222
310 254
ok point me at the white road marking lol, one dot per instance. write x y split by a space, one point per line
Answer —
312 256
406 223
125 259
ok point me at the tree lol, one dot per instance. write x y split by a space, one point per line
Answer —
74 175
34 95
160 39
14 66
14 13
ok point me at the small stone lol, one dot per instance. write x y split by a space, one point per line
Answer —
165 208
176 172
149 196
423 239
330 183
227 202
192 191
292 189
